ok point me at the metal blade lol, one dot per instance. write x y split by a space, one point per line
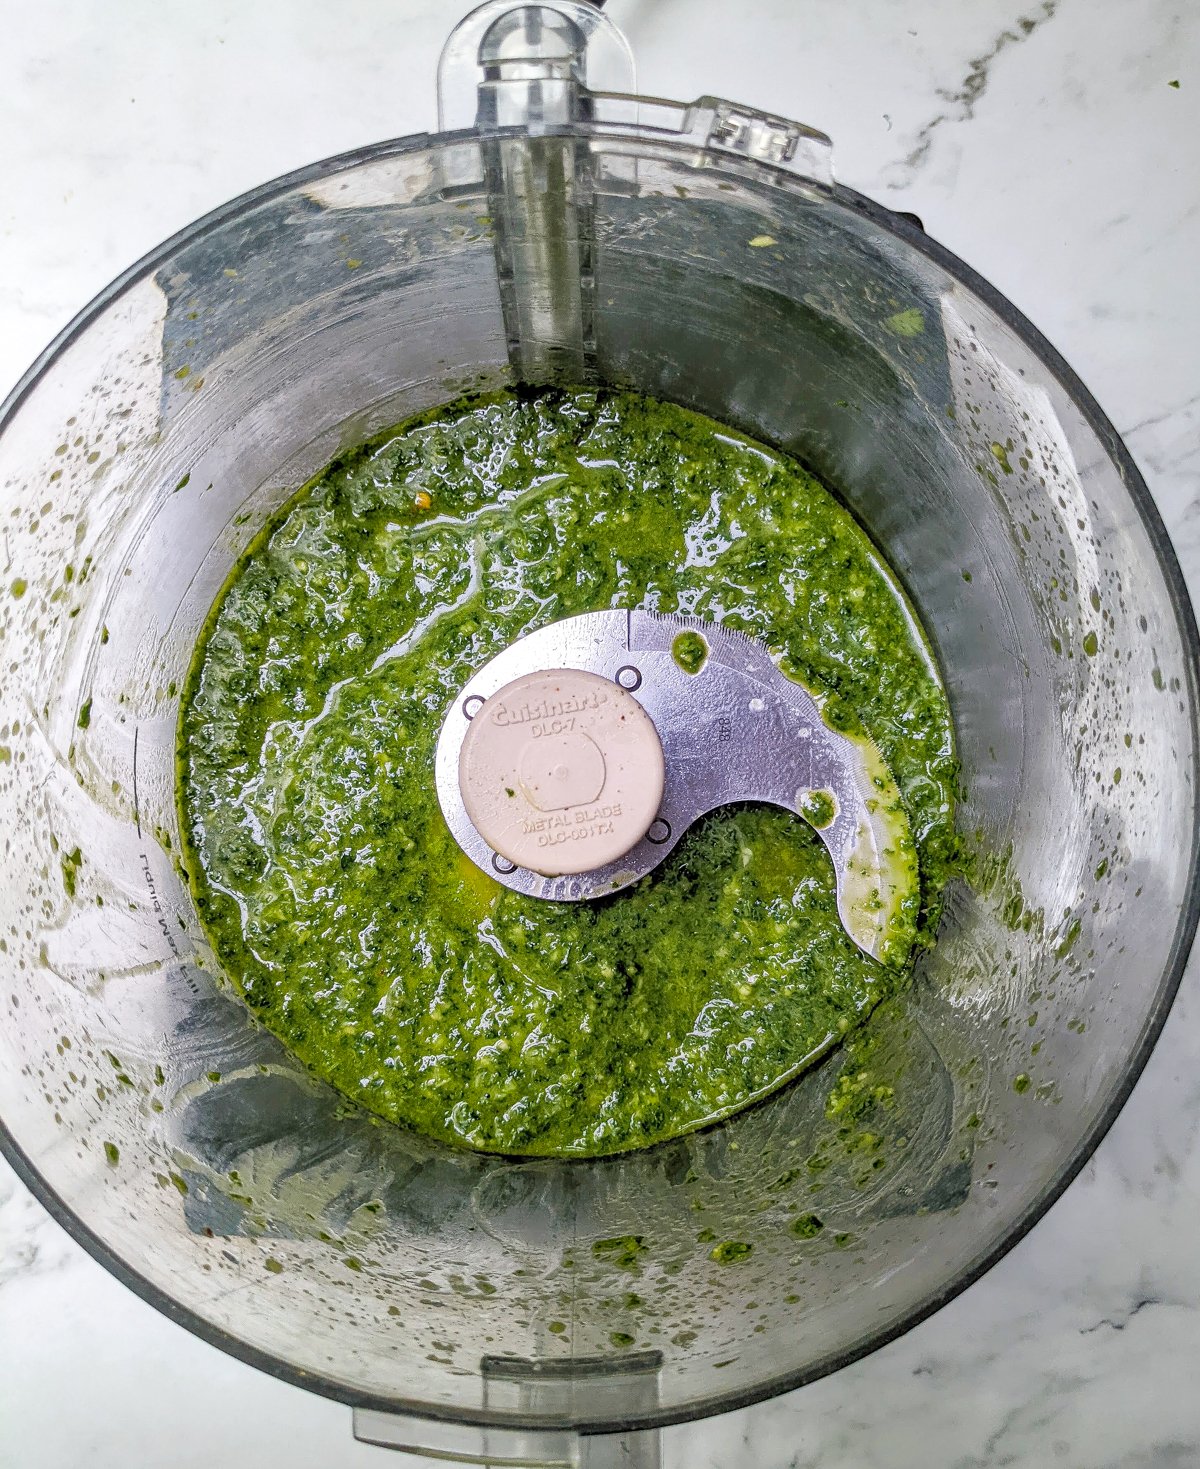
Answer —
735 729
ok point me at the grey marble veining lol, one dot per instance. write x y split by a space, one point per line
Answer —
1043 143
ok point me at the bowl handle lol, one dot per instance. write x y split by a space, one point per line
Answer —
508 1448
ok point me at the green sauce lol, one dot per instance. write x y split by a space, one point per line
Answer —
325 876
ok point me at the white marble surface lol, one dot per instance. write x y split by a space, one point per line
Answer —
1041 141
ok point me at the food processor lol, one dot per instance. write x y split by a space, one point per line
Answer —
559 228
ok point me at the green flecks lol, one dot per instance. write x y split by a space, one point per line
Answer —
71 864
690 651
183 372
760 242
621 1339
624 1252
819 808
1000 455
966 575
185 481
352 263
729 1251
806 1226
85 714
1091 644
1021 1082
19 587
104 635
1156 674
509 792
910 323
1117 773
1101 869
112 1153
859 1088
273 1265
1013 911
556 1328
352 1262
178 1180
1174 83
1069 938
845 1239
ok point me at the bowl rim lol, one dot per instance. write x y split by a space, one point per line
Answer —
913 236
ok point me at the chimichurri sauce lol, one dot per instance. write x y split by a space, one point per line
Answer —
327 881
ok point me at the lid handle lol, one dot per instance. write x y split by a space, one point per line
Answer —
531 65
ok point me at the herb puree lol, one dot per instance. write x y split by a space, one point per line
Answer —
327 881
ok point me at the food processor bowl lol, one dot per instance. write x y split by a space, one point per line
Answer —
702 254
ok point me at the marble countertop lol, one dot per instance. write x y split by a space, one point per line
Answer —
1055 145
